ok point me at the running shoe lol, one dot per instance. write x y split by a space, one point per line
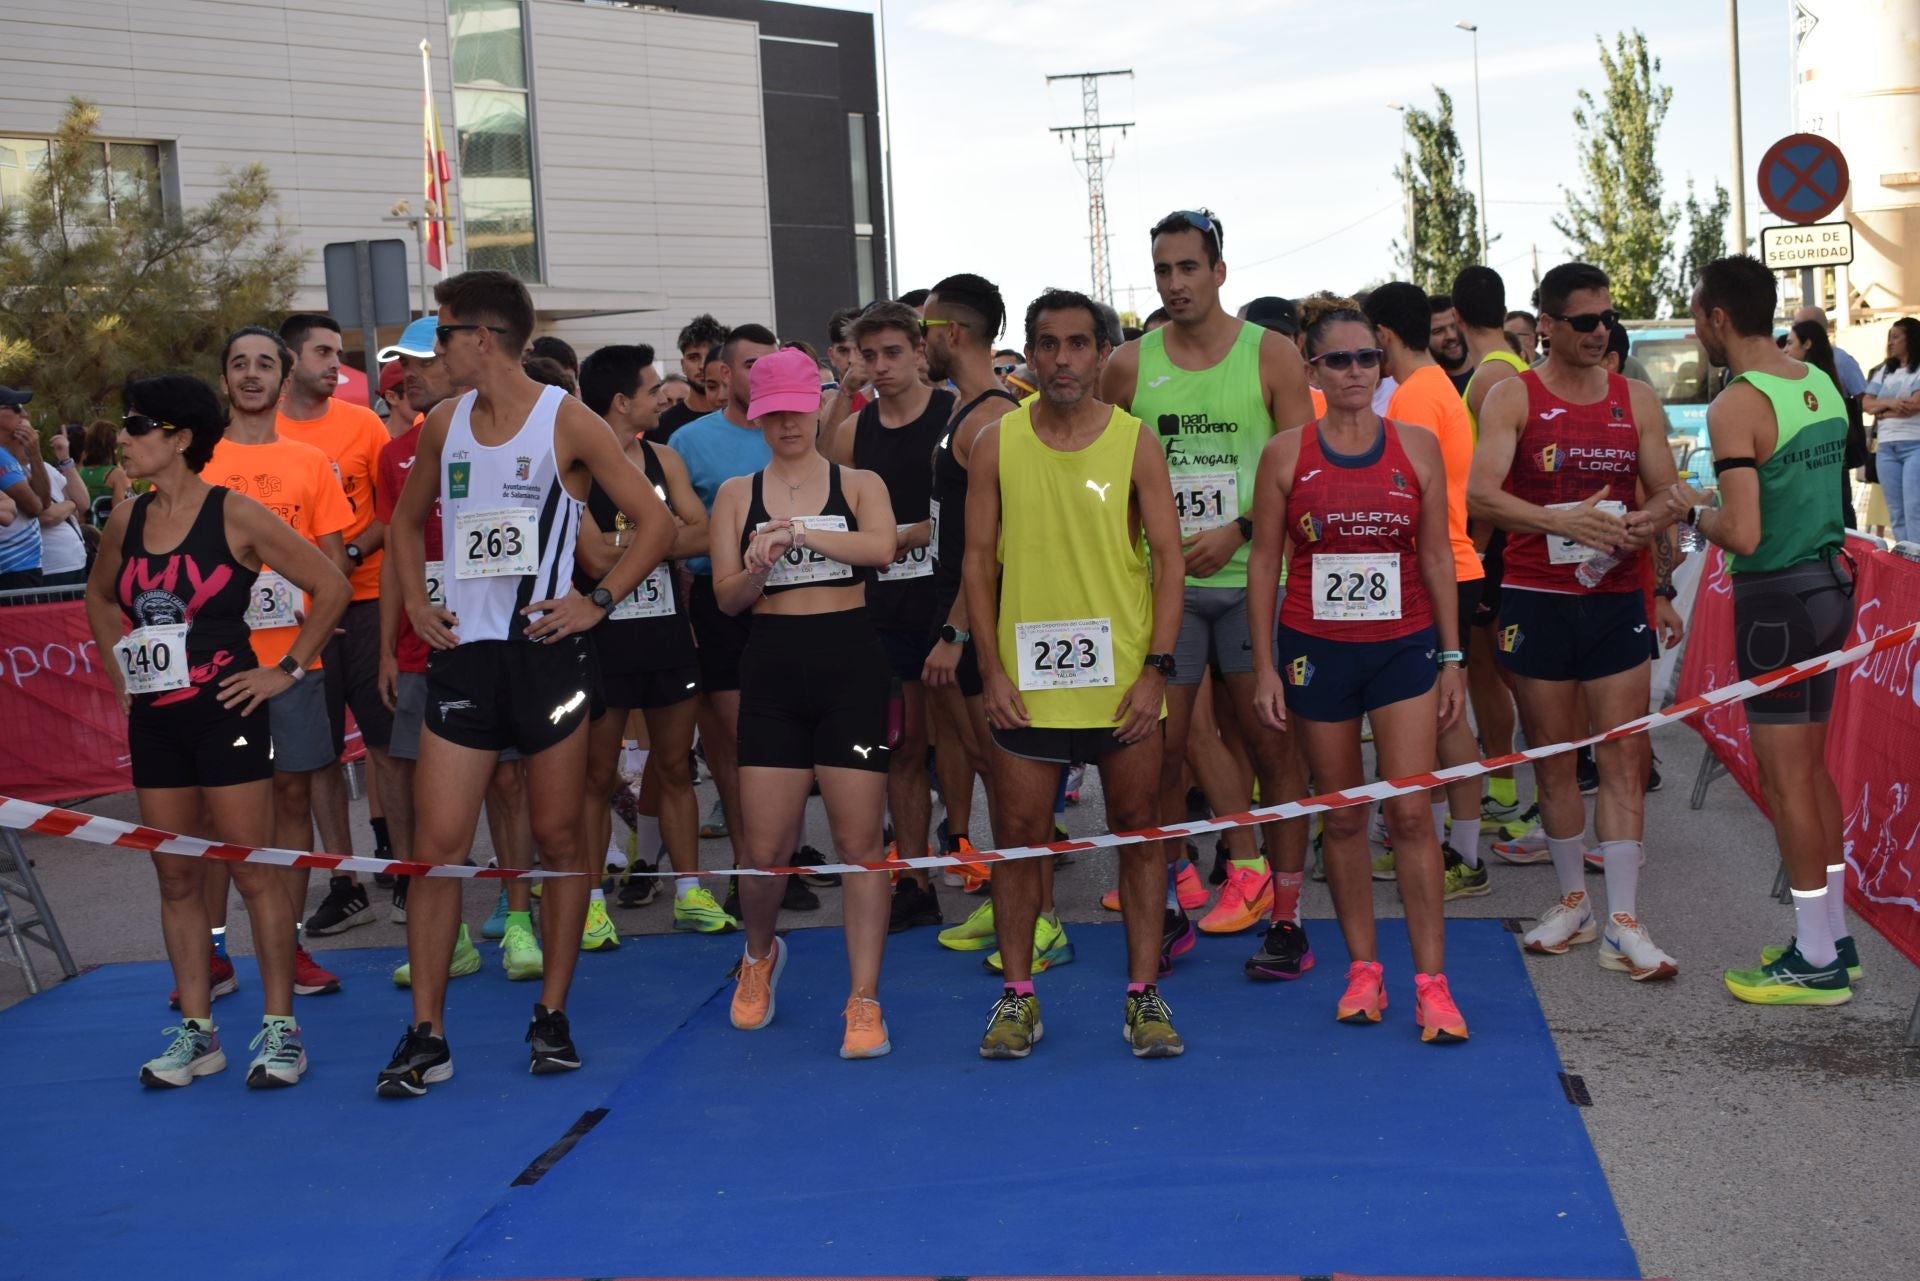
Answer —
639 890
1568 921
599 935
1653 775
550 1037
1516 828
195 1052
1530 847
520 954
1791 979
1222 863
1284 954
421 1059
1317 854
1149 1026
1244 902
807 856
1076 777
1627 946
697 911
913 906
1463 881
1383 866
495 926
974 878
221 981
1177 938
281 1059
308 978
1377 830
1495 814
1013 1026
1111 899
1434 1010
466 960
1849 956
1051 947
1597 862
755 986
344 907
715 823
1366 994
1587 771
796 897
975 934
397 910
866 1035
1187 887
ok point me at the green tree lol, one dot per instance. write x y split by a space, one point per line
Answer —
1619 223
87 298
1446 218
1706 241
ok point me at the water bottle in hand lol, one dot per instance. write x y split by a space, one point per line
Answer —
1590 572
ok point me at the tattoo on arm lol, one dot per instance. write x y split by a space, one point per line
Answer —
1663 557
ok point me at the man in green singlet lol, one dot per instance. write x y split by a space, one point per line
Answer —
1779 432
1215 389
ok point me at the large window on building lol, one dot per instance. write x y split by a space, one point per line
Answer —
493 109
862 207
128 175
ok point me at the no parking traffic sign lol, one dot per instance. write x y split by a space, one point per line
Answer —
1803 177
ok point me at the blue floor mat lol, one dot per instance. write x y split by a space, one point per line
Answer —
1281 1141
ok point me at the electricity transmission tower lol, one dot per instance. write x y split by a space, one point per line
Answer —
1090 152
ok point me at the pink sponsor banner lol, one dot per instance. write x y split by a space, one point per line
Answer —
62 733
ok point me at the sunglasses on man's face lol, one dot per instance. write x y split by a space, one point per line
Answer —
1001 371
929 322
1365 357
444 333
1588 321
139 425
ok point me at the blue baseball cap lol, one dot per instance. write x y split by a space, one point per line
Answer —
415 340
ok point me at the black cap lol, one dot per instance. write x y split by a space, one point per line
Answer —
1278 314
8 396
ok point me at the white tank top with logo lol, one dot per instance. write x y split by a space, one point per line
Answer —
508 525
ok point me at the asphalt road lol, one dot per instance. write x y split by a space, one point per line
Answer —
1740 1142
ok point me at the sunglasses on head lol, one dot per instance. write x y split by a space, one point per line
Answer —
1199 219
139 425
1588 321
443 333
1367 358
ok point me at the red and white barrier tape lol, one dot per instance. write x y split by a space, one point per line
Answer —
51 821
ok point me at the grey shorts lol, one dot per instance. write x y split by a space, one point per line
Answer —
1213 633
410 713
297 720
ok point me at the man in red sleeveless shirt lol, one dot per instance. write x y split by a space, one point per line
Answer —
1560 449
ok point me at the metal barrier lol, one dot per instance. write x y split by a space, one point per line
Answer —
42 595
18 882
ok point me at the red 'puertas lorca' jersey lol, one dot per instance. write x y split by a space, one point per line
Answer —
1355 523
1566 452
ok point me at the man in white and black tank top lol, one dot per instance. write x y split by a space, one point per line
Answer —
510 462
894 437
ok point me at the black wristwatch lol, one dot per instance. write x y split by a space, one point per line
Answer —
953 635
294 671
1246 526
354 553
1667 591
1162 663
602 598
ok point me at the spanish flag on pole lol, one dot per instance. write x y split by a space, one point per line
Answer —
438 172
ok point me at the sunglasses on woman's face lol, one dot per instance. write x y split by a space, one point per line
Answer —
1339 361
139 425
1588 321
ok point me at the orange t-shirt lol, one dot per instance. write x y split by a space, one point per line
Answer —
296 483
1427 399
1319 402
351 436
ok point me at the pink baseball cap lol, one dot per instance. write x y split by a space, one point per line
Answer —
784 381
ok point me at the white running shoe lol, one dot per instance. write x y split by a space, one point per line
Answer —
1567 922
1627 946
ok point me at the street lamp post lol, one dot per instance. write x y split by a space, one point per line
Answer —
1406 170
1479 136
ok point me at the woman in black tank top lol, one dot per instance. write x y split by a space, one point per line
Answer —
797 544
177 567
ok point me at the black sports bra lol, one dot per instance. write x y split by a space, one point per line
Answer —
803 566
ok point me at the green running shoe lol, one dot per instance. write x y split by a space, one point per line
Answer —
599 934
697 911
1013 1027
975 934
1051 947
1849 956
1515 828
520 953
1791 980
281 1058
1149 1028
1463 881
1383 866
195 1052
466 960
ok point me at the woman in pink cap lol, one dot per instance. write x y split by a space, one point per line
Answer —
797 543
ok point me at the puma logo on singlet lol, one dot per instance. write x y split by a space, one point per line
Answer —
1100 489
1160 381
1548 415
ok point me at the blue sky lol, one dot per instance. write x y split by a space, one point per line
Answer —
1272 113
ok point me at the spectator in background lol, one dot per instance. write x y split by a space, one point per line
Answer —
1851 381
672 390
1807 341
1155 318
545 369
840 348
698 344
916 299
1446 343
1526 331
400 416
63 548
557 350
22 480
1893 397
1619 349
100 469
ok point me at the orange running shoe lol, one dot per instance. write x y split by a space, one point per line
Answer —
975 878
1189 888
1244 902
1111 899
1366 994
753 994
1434 1010
866 1031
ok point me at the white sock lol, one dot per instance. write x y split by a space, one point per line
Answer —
1837 900
1440 821
685 885
1569 862
633 758
616 856
1622 859
597 896
1813 926
1464 835
646 836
